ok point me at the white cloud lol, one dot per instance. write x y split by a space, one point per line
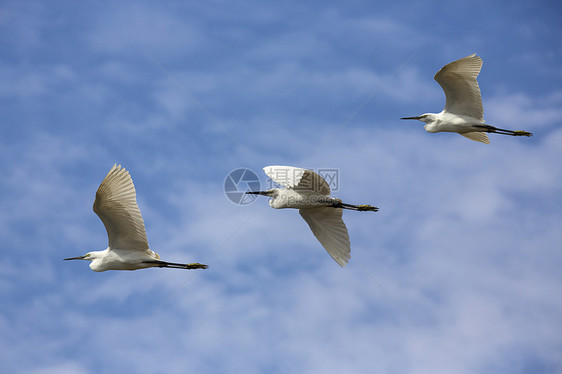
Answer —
60 368
143 28
519 110
23 82
466 238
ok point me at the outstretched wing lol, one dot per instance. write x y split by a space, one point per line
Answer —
327 225
458 80
302 180
116 205
477 136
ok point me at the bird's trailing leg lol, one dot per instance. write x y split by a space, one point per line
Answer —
489 128
164 264
361 208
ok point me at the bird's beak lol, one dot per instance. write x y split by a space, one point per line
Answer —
418 117
76 258
264 193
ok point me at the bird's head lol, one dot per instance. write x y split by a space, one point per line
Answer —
272 194
426 117
91 256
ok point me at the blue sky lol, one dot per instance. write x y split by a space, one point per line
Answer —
467 239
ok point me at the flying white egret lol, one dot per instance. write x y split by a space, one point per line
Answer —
463 107
116 205
310 194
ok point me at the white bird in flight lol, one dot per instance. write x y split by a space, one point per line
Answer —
310 194
463 107
116 205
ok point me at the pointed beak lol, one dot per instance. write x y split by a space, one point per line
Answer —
264 193
76 258
417 117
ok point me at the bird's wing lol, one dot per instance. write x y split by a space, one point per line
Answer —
116 205
458 80
477 136
299 179
327 225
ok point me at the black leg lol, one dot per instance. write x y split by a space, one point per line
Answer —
489 128
173 265
361 208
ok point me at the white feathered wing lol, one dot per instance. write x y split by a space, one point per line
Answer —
327 225
116 205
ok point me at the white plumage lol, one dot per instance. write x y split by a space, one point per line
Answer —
463 112
308 192
116 205
327 225
458 80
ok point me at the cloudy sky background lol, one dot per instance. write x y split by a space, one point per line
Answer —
459 272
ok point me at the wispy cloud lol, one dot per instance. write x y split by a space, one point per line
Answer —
466 238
